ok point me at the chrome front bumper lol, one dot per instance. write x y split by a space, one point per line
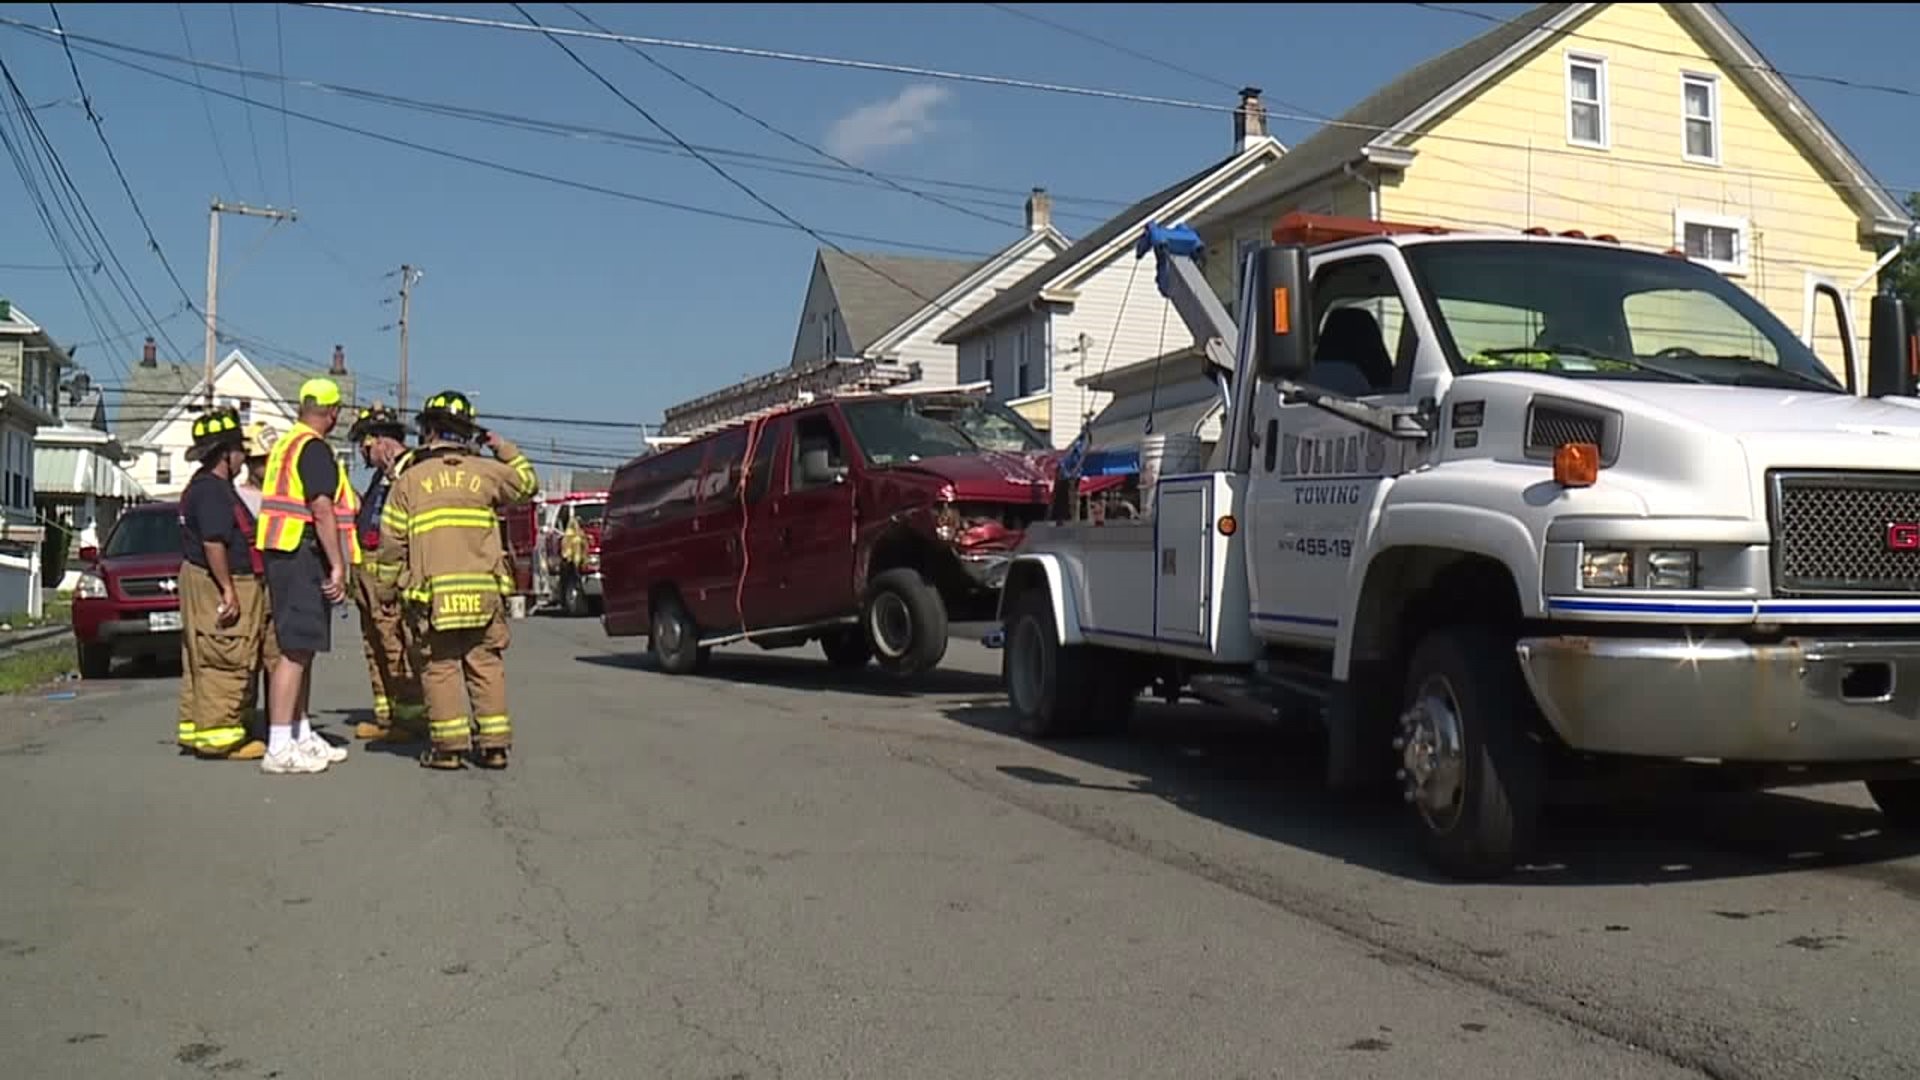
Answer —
1802 701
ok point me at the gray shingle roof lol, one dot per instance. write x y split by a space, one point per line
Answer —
871 305
1021 292
152 391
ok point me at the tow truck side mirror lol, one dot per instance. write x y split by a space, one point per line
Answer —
1285 337
1890 348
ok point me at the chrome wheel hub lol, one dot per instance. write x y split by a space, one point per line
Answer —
1432 753
892 625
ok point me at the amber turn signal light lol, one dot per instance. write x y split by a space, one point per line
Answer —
1576 464
1228 525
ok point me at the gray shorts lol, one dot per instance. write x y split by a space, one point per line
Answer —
301 614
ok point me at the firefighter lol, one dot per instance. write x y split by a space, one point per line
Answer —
399 711
260 439
443 515
306 533
220 597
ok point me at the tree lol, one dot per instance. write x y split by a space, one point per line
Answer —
1903 273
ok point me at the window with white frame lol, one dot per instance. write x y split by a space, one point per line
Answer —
1717 240
1700 106
986 364
1030 375
1587 100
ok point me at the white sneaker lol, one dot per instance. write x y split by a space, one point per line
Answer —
315 746
294 758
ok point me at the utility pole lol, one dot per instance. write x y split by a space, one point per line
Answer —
408 275
213 264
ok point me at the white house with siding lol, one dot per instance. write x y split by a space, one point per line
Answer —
873 320
30 366
1094 306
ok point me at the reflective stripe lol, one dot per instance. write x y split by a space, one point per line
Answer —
221 738
448 729
494 725
284 514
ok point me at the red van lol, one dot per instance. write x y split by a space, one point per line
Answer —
866 522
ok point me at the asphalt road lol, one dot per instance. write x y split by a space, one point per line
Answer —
767 872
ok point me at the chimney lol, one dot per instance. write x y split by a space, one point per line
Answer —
339 361
150 355
1039 210
1249 120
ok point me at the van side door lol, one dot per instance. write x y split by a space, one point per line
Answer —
808 524
1316 477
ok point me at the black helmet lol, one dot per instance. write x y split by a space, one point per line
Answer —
214 429
449 410
377 419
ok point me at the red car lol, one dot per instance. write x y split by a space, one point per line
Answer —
128 601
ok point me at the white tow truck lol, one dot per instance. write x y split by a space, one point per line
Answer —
1503 512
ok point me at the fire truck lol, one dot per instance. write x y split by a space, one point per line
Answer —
534 536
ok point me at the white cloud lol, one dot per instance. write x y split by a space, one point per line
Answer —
900 120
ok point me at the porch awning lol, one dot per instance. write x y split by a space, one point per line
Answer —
76 472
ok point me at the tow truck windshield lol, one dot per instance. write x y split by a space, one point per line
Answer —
1592 313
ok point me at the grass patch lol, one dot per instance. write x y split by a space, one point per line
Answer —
30 669
59 612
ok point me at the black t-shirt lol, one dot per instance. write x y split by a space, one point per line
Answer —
319 472
207 514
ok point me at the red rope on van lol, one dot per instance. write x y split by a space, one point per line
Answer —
754 428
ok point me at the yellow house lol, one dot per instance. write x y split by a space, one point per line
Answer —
1660 124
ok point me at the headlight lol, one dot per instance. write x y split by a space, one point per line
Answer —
90 587
1603 569
1661 568
1673 568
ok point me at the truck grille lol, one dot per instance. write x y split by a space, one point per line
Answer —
149 588
1845 533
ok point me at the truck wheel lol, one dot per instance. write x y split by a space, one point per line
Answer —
1899 801
1054 690
847 648
905 622
674 640
1470 774
573 601
96 661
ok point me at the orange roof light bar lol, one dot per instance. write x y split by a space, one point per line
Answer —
1312 229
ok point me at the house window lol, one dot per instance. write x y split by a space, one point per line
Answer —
1030 374
1713 239
1587 100
1700 99
986 364
163 468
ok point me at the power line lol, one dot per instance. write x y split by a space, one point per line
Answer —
425 148
553 127
1830 80
567 421
286 135
253 137
1029 84
212 128
796 140
722 172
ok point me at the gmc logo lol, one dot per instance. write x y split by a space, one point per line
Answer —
1903 536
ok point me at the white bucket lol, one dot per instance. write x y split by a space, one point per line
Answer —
516 607
1170 453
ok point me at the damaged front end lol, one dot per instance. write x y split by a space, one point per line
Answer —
984 536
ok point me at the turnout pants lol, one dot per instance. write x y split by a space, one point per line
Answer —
464 674
391 667
221 661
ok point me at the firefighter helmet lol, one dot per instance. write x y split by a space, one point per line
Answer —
376 420
215 429
449 410
260 438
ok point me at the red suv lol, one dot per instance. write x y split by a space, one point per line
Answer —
866 523
128 601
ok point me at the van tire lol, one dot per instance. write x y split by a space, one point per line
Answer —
847 648
900 599
674 640
1471 674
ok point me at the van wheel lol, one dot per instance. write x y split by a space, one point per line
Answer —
847 648
905 622
1470 773
96 661
674 640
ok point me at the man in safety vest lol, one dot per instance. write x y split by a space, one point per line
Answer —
399 710
306 534
443 515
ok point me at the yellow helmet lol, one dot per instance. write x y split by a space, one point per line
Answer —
260 438
323 392
214 429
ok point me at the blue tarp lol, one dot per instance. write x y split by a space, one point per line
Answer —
1164 241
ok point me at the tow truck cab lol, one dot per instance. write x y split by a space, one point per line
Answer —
1503 512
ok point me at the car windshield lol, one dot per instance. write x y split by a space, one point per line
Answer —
991 425
1600 313
588 513
146 533
894 431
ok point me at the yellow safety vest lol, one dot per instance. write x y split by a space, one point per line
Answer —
284 515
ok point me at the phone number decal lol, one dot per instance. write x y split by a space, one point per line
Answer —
1320 547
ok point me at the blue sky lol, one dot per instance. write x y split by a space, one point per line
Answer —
543 300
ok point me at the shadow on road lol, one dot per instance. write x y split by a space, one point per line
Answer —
1267 782
799 670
